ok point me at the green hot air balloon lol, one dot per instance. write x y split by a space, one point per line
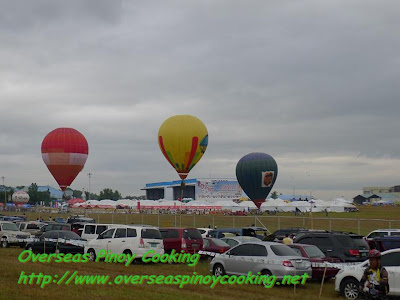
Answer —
256 173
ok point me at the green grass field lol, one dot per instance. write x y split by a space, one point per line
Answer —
11 267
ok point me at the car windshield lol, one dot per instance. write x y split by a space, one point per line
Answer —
359 242
69 235
220 243
314 252
10 226
283 250
191 234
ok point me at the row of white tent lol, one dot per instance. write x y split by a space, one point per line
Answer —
337 205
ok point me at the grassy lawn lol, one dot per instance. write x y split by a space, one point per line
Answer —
11 269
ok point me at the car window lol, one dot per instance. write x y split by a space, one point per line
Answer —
52 235
21 226
220 243
259 250
212 234
242 250
10 226
307 241
206 243
32 226
321 241
131 232
100 229
148 233
391 259
90 229
172 234
359 242
191 234
313 252
108 234
395 233
202 231
120 233
298 251
283 250
230 242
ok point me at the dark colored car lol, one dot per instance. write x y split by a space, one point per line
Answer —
63 241
187 239
215 245
348 247
280 234
54 226
80 219
258 232
317 259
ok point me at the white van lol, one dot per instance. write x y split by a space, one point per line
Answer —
127 239
91 231
382 233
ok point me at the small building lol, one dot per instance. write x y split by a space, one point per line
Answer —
196 189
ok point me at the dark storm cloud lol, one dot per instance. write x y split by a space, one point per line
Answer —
304 81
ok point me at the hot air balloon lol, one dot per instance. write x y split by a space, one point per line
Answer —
256 174
64 151
183 139
20 197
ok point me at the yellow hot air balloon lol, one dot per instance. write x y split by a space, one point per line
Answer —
183 139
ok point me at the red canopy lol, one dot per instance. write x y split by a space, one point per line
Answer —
75 200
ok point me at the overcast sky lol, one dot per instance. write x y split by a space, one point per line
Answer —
315 84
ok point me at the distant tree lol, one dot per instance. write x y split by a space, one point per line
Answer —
76 193
143 197
33 193
116 195
274 195
106 193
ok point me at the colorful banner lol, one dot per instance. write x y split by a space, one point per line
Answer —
218 189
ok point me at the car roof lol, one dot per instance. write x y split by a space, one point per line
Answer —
378 230
6 222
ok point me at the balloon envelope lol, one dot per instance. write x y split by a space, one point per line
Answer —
256 174
64 151
183 139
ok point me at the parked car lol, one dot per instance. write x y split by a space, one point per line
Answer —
215 245
317 259
54 226
91 231
281 233
204 231
187 239
380 233
128 240
80 218
31 227
347 247
11 235
12 219
258 232
347 280
60 240
236 240
268 258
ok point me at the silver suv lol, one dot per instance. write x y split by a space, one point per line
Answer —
268 258
10 235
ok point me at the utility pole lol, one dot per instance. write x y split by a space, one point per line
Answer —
5 190
90 176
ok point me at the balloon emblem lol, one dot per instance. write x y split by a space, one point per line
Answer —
256 174
183 139
64 151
